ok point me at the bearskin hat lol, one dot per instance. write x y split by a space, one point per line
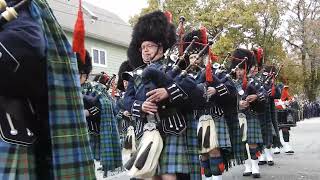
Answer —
267 69
199 43
125 66
85 68
239 54
153 27
102 78
196 48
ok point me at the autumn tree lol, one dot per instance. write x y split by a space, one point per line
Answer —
302 31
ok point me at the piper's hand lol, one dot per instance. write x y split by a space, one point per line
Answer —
243 104
211 91
93 110
126 113
251 98
149 107
157 95
86 112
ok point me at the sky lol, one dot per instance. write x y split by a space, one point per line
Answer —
123 8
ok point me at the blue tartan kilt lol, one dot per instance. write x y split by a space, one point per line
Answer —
172 159
222 129
110 148
254 135
266 128
192 146
17 162
239 153
222 132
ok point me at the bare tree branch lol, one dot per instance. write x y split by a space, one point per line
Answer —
293 44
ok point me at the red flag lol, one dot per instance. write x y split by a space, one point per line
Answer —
78 35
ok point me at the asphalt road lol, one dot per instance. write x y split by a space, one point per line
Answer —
304 164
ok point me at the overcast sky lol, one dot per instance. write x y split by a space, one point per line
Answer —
123 8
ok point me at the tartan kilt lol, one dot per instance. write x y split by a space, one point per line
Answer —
221 126
239 153
254 135
222 132
172 159
17 162
110 149
266 127
192 146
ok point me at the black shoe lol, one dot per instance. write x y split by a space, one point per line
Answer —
290 152
256 175
276 153
247 174
270 163
262 162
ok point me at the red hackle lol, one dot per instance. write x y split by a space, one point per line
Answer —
204 37
168 14
244 78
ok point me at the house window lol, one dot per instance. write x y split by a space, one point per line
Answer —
99 57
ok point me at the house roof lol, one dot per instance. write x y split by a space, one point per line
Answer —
109 27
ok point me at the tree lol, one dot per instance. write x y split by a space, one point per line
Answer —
304 14
152 6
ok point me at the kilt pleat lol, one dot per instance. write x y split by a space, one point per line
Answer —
266 126
222 132
110 149
172 159
238 147
17 162
192 146
254 135
221 129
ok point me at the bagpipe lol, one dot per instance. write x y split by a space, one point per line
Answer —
167 121
110 81
127 127
92 92
11 13
19 116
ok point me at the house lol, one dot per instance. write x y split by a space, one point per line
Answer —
107 38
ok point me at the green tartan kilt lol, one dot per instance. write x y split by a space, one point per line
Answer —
254 135
222 132
221 129
238 153
192 145
266 128
173 158
17 162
